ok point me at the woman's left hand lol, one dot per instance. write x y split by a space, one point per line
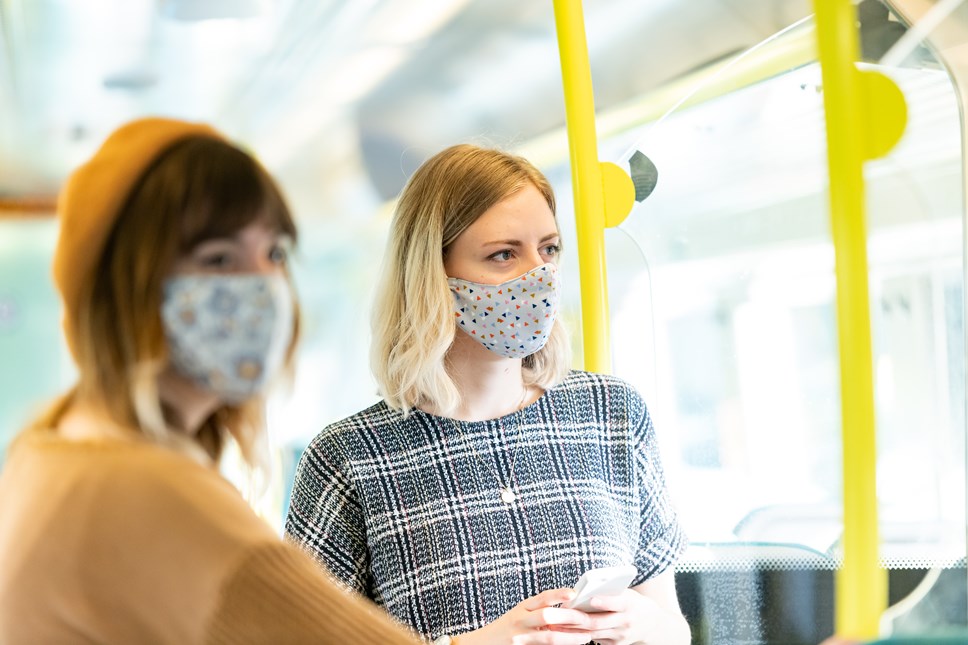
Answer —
648 613
623 619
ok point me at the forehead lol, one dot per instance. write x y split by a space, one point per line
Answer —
213 224
525 213
255 231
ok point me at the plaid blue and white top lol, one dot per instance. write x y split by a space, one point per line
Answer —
408 511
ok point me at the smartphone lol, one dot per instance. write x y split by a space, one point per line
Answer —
607 581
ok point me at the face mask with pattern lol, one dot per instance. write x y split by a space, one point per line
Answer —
228 333
513 318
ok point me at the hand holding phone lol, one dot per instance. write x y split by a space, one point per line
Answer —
606 581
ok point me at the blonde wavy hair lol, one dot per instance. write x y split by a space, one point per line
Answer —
200 188
413 321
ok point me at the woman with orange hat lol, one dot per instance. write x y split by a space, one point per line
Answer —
115 525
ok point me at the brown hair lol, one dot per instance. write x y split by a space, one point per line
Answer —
197 189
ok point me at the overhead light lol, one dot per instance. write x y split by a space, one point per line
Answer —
361 72
196 10
132 80
353 78
410 21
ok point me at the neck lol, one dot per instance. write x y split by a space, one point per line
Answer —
85 420
186 407
491 386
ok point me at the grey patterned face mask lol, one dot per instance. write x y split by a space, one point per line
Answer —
228 333
513 318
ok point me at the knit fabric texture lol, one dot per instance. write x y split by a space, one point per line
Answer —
273 597
407 510
119 541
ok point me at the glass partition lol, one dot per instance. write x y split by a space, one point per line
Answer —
722 299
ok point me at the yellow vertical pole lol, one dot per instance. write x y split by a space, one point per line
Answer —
861 587
586 176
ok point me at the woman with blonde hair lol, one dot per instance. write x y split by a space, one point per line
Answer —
115 524
490 476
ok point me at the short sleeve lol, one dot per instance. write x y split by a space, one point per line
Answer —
661 538
325 516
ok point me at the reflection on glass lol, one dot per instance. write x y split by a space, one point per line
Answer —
732 303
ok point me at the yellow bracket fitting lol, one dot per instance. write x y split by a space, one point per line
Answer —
885 113
618 193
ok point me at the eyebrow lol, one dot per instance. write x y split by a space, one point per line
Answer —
547 237
281 236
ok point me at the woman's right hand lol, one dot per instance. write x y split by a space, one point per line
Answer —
535 620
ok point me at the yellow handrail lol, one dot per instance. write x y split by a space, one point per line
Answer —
861 589
592 182
861 583
586 180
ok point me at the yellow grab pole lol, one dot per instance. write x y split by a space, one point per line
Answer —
861 588
586 178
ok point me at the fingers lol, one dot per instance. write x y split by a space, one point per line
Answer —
552 617
542 622
556 638
610 627
553 638
547 624
610 603
547 598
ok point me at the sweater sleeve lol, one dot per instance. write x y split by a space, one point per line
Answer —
278 595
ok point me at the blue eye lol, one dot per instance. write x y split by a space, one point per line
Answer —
502 256
552 249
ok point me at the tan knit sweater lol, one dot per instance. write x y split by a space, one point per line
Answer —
116 541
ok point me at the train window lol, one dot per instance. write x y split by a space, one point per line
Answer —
722 293
33 367
721 281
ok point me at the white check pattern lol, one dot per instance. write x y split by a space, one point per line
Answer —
401 509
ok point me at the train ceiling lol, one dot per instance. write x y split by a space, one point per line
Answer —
310 83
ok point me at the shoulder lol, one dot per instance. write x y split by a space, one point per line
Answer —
169 521
580 378
593 384
353 438
102 485
139 519
603 399
121 467
176 494
349 431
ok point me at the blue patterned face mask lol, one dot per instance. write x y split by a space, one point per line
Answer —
228 333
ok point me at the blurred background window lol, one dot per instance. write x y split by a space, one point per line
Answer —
721 281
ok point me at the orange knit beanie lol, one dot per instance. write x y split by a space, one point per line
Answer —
95 193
